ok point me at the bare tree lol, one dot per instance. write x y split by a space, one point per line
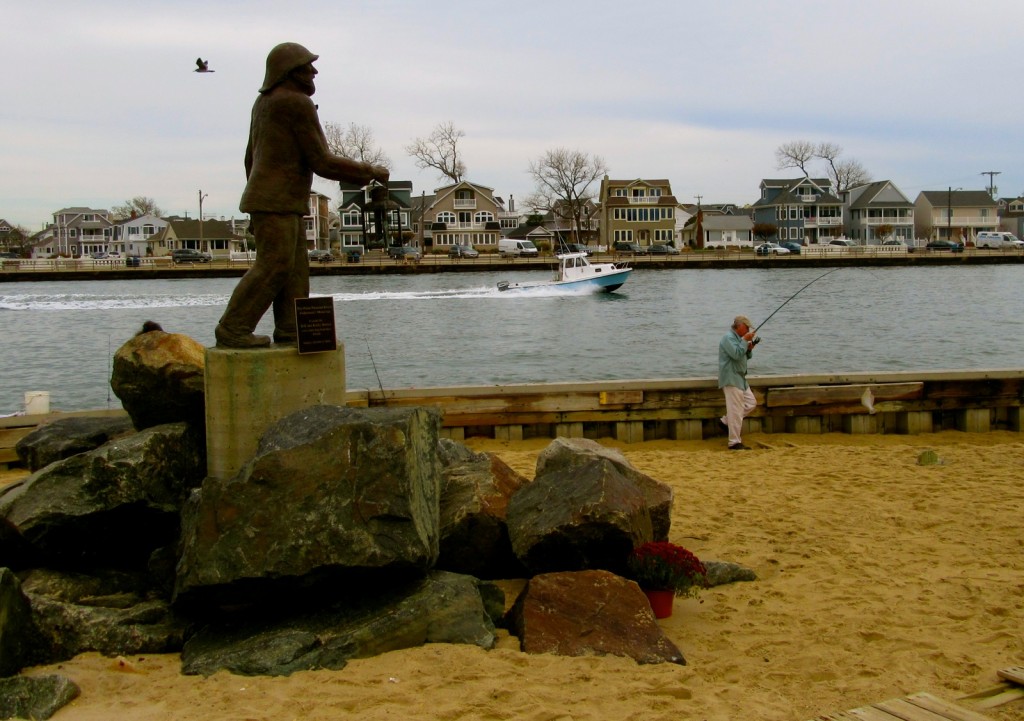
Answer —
355 142
563 179
137 206
796 154
844 174
440 151
848 174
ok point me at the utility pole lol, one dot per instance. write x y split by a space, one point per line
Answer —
992 189
201 243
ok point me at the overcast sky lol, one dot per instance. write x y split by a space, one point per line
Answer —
101 104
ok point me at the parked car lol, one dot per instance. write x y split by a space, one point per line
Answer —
574 248
949 245
663 249
770 248
624 246
190 255
321 256
463 251
842 242
894 242
404 252
792 246
99 255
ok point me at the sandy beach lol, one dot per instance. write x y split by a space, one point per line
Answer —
878 577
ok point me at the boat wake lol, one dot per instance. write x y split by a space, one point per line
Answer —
461 293
85 301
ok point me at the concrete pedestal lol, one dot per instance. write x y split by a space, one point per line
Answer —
249 390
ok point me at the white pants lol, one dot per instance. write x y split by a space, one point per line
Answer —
739 402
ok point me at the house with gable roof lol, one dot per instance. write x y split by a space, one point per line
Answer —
1011 215
805 210
874 205
957 215
215 237
132 236
80 231
364 207
464 213
641 211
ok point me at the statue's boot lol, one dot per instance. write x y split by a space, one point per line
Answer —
232 339
285 337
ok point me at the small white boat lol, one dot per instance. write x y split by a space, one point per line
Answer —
576 272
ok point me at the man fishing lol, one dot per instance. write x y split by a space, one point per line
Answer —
733 351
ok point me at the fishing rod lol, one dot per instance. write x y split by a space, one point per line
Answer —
761 324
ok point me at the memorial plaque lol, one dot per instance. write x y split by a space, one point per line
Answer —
314 321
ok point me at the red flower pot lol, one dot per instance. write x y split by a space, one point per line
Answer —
661 602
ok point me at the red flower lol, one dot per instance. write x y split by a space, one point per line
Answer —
663 566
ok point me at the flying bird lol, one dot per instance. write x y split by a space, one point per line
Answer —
203 66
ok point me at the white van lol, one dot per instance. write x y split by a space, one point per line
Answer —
507 247
990 239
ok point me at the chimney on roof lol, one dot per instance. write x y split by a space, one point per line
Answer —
511 203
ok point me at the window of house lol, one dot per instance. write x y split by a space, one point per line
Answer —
446 217
620 192
147 230
464 194
483 216
350 218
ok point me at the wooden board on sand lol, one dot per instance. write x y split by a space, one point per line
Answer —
915 707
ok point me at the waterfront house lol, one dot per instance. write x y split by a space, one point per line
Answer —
464 213
641 211
719 231
318 222
1011 216
957 215
132 236
208 236
720 224
875 205
81 231
805 210
364 220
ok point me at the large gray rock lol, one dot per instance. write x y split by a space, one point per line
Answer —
35 697
589 613
443 608
332 494
584 517
476 489
67 437
111 506
111 612
564 454
160 378
19 640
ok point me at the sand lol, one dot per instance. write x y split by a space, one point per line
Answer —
879 577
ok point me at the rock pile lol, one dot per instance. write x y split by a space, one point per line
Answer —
349 533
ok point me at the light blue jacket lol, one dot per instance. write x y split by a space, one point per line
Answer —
732 361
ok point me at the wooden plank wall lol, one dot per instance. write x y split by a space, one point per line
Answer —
688 408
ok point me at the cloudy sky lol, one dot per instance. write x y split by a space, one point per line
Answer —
100 103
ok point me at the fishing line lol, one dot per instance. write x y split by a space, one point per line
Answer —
374 364
110 371
761 324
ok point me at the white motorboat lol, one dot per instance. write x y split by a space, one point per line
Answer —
576 272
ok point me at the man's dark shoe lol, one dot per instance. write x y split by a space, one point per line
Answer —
229 339
738 447
723 425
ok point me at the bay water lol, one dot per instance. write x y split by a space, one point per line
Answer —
457 329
